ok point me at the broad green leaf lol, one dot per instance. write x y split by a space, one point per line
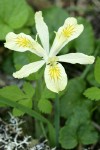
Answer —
2 105
80 114
14 12
15 16
85 42
8 63
45 106
20 59
25 30
87 134
68 137
30 22
12 93
28 89
51 14
33 57
4 30
78 119
17 112
97 70
72 96
92 93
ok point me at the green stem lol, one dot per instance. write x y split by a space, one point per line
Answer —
87 69
38 127
57 118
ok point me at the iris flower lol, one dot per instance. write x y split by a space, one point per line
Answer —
54 74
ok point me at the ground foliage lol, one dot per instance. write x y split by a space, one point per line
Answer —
79 102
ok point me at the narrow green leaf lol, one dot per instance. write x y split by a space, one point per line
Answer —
24 109
92 93
25 102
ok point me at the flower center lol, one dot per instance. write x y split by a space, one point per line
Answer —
52 61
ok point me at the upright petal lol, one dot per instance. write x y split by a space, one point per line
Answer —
74 58
42 30
22 42
55 78
28 69
69 31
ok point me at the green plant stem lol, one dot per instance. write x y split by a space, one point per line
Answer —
85 72
57 119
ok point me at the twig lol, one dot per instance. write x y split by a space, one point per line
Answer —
96 126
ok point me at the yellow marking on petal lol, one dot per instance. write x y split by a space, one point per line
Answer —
54 72
23 42
68 31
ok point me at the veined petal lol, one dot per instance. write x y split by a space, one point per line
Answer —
74 58
69 31
42 30
55 77
22 42
28 69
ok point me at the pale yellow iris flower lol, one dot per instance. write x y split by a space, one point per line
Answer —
54 74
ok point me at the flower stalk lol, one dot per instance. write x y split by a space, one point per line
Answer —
57 118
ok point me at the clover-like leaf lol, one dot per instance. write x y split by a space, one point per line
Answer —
68 137
28 89
92 93
45 106
12 92
87 134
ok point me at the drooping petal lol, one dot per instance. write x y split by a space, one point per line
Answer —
42 30
28 69
22 42
69 31
74 58
55 77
